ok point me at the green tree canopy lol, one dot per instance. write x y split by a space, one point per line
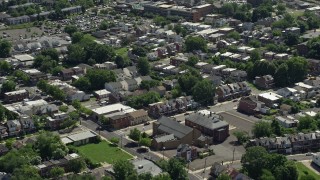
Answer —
123 169
203 92
135 134
49 146
193 43
8 86
262 129
5 48
70 29
143 66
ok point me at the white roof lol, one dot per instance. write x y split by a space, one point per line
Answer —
310 113
36 102
16 92
24 57
112 109
31 71
303 85
81 136
271 96
66 140
102 92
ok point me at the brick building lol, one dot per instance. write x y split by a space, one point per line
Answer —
211 125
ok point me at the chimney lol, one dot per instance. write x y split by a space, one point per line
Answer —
210 114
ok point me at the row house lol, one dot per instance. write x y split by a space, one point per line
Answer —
67 74
178 60
232 91
171 107
251 105
16 96
55 120
122 120
106 65
264 82
296 143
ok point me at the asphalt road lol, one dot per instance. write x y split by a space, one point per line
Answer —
124 144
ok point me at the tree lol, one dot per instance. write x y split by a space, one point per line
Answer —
143 100
307 123
77 37
70 29
192 61
76 165
242 136
262 129
121 62
143 66
5 68
8 86
203 92
297 69
83 83
81 177
281 76
76 54
49 145
177 170
147 84
123 169
139 51
56 172
254 160
187 82
135 134
255 56
255 43
145 142
162 176
26 172
104 25
291 39
98 77
276 128
52 53
234 35
259 13
5 48
114 141
193 43
267 175
314 48
224 177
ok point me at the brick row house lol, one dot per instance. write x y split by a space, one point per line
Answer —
16 96
301 142
251 105
232 91
171 107
123 120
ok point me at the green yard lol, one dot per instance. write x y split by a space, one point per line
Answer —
102 152
122 52
303 170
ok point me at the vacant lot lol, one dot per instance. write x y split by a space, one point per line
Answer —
103 152
304 170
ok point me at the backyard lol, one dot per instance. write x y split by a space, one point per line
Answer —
304 170
103 152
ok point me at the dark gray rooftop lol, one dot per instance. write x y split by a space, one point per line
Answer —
173 127
209 121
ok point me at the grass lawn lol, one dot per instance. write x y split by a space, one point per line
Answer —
103 152
303 170
122 52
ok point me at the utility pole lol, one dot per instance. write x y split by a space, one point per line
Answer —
205 164
234 149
